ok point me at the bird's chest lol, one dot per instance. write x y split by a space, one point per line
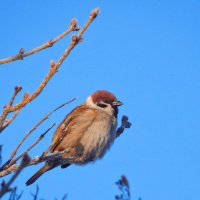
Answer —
98 138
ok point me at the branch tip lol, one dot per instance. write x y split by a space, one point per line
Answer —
125 181
94 13
125 121
52 64
26 95
26 159
124 124
21 51
18 89
73 22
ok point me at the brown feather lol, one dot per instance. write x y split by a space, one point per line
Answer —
87 132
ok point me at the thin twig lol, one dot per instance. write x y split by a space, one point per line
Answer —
3 116
53 69
123 185
40 138
6 187
54 156
124 124
28 149
7 122
14 195
55 66
64 197
35 196
17 89
38 124
22 54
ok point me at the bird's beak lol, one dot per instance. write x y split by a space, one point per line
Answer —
117 103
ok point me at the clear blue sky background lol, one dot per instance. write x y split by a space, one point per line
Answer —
148 54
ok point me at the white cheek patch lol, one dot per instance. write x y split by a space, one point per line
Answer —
108 109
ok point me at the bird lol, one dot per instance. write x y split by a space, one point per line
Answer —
87 132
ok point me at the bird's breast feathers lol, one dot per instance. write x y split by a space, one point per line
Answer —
89 133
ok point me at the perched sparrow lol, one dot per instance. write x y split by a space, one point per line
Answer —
86 132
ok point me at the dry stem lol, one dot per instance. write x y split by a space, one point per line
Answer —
6 186
34 128
4 124
124 124
53 69
21 55
37 160
11 162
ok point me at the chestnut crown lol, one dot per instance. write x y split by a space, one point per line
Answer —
103 97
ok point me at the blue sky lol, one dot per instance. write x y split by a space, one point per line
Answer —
147 53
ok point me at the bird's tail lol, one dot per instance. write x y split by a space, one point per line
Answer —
41 171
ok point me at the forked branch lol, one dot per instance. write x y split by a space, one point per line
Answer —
5 187
11 160
54 66
22 54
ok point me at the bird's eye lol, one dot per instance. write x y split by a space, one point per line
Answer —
102 105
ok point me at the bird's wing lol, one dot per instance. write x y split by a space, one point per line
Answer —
79 118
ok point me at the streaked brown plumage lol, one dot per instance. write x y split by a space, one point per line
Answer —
86 132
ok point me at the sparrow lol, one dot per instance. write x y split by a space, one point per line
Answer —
87 132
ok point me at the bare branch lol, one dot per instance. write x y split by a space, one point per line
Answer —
14 195
22 54
6 187
124 187
11 165
54 156
37 125
64 197
11 162
53 69
17 89
93 15
35 196
124 124
7 122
